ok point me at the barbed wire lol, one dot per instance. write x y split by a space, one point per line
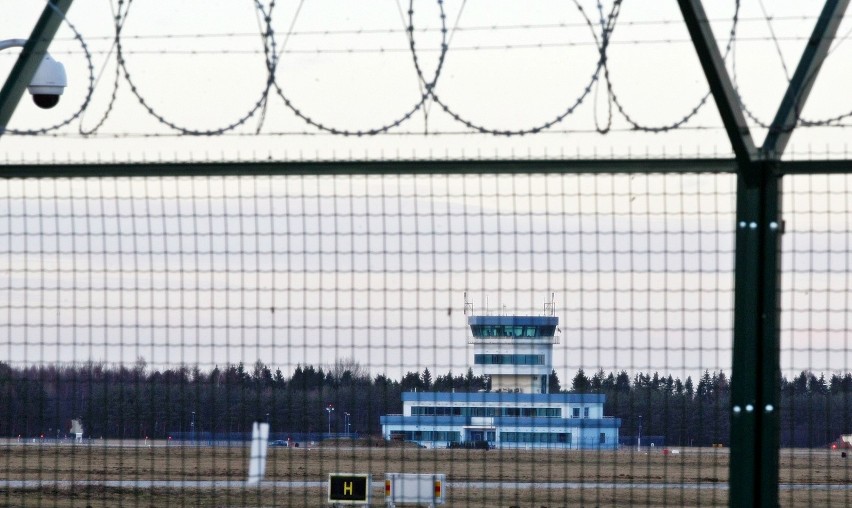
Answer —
799 120
601 75
393 50
470 28
427 85
613 97
122 62
116 82
396 133
607 28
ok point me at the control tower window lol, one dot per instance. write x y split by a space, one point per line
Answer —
511 331
508 359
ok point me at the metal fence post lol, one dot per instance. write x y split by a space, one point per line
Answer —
755 378
756 373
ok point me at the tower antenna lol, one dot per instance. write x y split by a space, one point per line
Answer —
550 307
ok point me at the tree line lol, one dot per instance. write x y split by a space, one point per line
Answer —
135 401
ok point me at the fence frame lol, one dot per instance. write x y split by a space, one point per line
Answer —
756 370
759 224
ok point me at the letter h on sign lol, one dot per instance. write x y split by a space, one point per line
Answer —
348 488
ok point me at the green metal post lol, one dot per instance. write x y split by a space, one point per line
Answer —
30 58
755 376
769 359
763 184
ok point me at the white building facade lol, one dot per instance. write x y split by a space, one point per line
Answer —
503 420
516 353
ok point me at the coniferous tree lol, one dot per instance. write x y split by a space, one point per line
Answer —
553 385
137 400
580 383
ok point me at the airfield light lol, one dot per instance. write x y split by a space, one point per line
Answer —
329 409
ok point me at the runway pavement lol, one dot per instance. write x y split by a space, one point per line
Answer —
379 485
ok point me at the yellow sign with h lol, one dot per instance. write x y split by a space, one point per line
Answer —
348 488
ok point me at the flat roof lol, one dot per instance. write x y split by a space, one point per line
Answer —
514 320
505 422
504 397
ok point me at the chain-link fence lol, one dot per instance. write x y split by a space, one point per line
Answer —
539 339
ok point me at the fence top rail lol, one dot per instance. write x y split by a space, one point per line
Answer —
412 167
356 167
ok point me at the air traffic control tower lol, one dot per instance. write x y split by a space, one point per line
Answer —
516 352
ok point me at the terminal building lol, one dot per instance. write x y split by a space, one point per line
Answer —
516 353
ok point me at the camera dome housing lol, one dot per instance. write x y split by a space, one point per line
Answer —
48 83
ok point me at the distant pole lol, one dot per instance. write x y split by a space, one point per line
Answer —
347 423
639 441
330 410
192 427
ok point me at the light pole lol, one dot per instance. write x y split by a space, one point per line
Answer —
639 441
192 427
347 423
330 410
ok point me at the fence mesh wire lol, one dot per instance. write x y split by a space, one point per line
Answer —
816 410
148 323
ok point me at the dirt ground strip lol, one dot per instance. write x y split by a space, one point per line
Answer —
691 477
100 497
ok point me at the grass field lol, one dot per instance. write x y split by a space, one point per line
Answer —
695 476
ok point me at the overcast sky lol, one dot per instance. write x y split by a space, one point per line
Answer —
293 270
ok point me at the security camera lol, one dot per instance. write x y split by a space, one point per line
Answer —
49 80
48 83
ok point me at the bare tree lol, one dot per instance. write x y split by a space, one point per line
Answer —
347 369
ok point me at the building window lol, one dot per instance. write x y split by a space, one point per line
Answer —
508 359
429 435
511 331
575 412
511 411
585 412
603 438
536 437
